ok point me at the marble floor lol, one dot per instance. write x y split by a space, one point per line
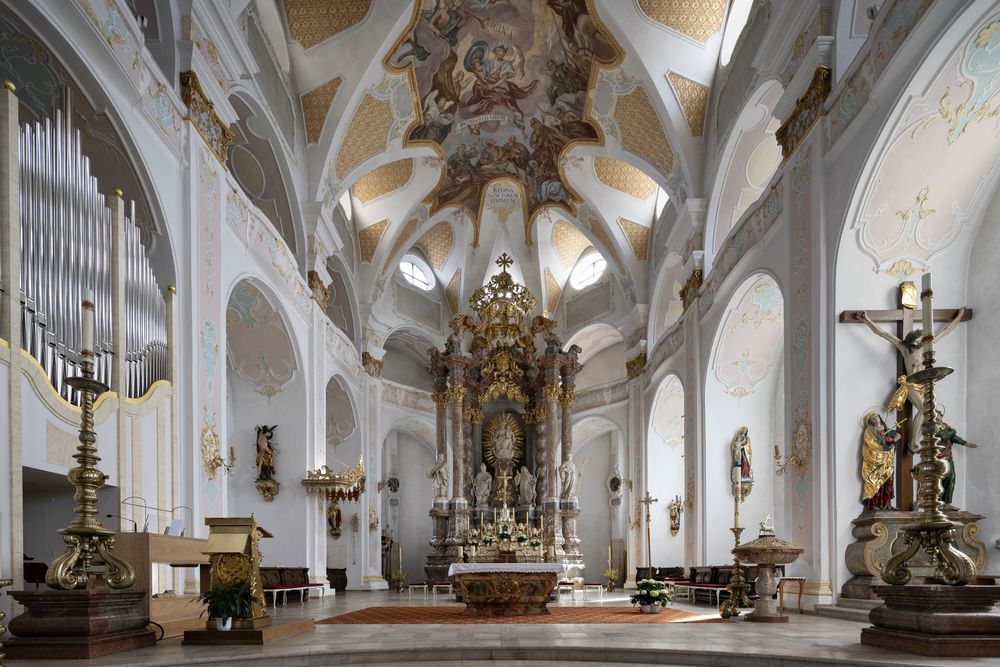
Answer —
806 640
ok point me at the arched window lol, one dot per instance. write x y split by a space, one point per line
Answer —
414 275
588 270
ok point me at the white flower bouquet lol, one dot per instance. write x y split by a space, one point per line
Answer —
651 592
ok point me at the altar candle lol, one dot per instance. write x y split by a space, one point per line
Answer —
609 555
401 557
88 322
232 454
928 312
777 452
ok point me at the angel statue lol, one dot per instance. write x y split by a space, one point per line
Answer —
741 455
878 463
525 482
439 476
481 486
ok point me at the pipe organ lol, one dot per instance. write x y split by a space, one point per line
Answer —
69 234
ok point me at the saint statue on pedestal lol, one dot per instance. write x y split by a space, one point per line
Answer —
948 438
568 478
439 476
878 463
525 482
481 486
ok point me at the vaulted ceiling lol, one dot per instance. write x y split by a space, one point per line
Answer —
541 128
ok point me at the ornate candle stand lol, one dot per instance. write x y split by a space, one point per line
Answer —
85 536
933 532
3 628
737 587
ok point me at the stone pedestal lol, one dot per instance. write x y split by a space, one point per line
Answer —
77 624
936 620
874 533
765 608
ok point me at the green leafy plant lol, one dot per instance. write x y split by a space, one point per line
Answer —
229 601
535 543
650 591
521 539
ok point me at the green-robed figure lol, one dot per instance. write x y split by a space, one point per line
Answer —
949 438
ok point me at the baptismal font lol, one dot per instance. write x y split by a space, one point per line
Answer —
504 424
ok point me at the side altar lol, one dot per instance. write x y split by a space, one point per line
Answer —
505 482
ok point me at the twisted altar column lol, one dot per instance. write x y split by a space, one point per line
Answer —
570 505
550 394
456 392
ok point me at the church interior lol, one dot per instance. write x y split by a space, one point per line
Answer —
343 322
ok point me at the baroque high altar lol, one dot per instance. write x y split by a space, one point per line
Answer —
505 412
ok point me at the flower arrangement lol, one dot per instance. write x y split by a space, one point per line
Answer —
472 543
399 577
504 537
534 544
487 541
650 592
521 539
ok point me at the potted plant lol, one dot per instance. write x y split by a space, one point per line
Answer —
611 574
651 596
226 602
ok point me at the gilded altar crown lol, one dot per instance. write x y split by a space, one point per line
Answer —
502 305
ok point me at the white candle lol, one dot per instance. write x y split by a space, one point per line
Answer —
88 322
928 312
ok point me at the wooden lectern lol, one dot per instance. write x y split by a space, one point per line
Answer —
234 555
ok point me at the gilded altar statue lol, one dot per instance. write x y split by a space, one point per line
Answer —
878 462
741 455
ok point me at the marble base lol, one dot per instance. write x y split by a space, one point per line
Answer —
936 620
506 593
874 532
77 624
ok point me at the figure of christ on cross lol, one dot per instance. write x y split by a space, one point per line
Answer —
908 394
648 500
503 477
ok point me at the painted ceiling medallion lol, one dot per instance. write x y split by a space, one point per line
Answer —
452 291
697 19
569 242
315 105
641 131
383 180
437 244
693 98
638 237
552 293
369 237
366 134
503 87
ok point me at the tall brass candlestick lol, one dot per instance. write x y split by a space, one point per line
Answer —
85 537
737 587
933 531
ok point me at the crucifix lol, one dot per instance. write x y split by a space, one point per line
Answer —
648 500
907 342
504 478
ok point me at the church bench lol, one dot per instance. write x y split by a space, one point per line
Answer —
278 581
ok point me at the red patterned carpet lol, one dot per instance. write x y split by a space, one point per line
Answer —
454 615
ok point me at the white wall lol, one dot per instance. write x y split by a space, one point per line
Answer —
594 523
408 459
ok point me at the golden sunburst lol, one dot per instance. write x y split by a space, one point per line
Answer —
503 426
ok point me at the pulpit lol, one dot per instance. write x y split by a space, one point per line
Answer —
234 555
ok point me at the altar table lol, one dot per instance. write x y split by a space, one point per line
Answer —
505 589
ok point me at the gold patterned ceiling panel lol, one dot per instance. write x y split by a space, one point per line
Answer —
698 19
624 178
315 105
369 237
693 98
382 180
638 237
602 235
552 293
641 131
404 236
311 22
365 135
451 292
569 242
437 244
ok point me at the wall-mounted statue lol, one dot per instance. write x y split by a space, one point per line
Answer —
675 508
525 482
267 485
614 482
741 455
333 520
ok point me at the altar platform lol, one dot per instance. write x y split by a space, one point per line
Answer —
505 589
806 640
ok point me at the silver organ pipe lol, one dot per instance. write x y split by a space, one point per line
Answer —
66 245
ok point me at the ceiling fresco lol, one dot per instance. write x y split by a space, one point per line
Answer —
749 341
503 91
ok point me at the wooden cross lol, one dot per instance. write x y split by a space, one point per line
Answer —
906 341
648 500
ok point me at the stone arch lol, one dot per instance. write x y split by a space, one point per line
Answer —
665 473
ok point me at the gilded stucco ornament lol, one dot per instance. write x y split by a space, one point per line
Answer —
372 365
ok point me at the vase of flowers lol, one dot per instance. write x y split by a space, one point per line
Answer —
399 577
651 596
611 574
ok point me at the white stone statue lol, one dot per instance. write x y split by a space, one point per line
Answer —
525 482
439 476
569 478
482 486
503 443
